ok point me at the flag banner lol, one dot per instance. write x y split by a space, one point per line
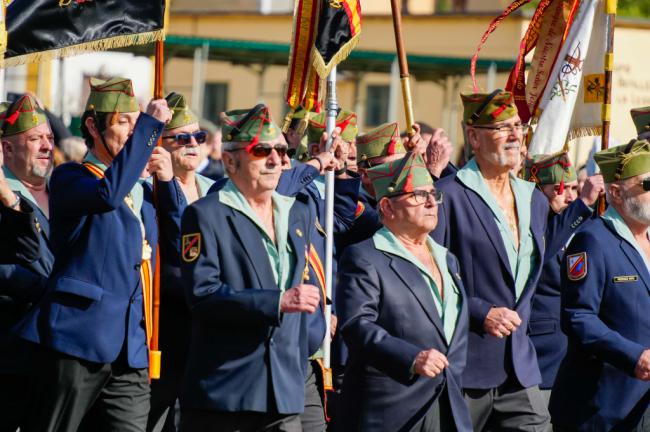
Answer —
339 29
571 105
45 29
299 73
512 7
547 32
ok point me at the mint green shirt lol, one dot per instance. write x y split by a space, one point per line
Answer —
614 219
450 305
281 256
203 184
17 186
525 259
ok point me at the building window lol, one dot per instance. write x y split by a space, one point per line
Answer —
215 101
377 104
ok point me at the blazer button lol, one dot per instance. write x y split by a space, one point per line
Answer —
132 301
137 267
271 342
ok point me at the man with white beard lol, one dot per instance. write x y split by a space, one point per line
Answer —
182 138
604 381
494 223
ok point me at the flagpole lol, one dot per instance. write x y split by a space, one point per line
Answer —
610 10
154 353
332 112
403 65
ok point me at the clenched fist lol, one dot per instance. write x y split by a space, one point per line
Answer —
301 298
160 164
159 110
430 363
501 321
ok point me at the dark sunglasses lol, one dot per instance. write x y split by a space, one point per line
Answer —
186 138
264 150
645 184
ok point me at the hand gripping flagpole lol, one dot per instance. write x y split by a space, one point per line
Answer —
610 10
403 66
332 112
154 353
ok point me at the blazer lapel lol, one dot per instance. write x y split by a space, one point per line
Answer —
411 277
455 275
299 239
490 227
540 242
637 261
250 238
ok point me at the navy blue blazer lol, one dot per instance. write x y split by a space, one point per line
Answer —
467 228
605 315
22 285
544 326
19 237
244 354
299 180
93 306
387 316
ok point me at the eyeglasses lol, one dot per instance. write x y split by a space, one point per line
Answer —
186 138
645 184
522 129
422 196
264 150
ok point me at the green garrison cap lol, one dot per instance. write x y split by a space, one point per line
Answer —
400 176
383 140
112 96
641 119
482 108
550 169
345 120
249 125
22 115
182 114
624 161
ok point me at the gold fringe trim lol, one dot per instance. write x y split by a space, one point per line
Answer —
325 69
584 132
96 45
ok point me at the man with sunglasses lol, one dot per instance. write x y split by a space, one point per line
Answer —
27 149
183 139
495 224
403 313
604 381
93 324
556 177
244 255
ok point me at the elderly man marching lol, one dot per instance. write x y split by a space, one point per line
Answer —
183 139
495 223
604 381
556 177
244 251
403 313
93 353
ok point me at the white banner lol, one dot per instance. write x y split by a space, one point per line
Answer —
572 102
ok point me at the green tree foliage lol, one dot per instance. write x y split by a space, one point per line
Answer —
634 8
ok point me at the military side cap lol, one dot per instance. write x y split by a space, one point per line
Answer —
22 115
345 120
550 169
383 140
641 119
482 108
112 96
249 125
182 115
400 176
624 161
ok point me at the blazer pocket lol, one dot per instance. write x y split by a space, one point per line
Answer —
78 288
542 327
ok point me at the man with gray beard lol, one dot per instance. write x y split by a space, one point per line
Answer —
494 223
27 144
604 381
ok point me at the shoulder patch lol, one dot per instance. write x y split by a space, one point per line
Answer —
576 266
360 209
191 247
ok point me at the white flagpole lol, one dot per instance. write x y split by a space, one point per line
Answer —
332 111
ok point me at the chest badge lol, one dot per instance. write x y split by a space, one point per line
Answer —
577 266
191 247
631 278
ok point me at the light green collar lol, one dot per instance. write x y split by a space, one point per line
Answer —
93 160
204 184
232 197
614 219
18 186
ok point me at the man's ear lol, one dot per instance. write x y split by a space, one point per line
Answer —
92 127
229 162
472 138
616 192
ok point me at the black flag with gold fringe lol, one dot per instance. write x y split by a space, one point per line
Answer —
46 29
339 28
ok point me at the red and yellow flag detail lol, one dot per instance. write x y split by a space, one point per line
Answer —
191 247
317 265
360 209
